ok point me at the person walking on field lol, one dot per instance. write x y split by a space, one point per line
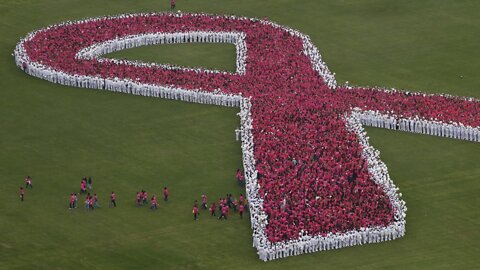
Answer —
241 208
72 201
165 194
89 183
195 212
172 5
22 193
95 201
212 209
28 182
204 202
113 200
153 203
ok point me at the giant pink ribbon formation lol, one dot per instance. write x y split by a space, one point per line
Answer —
313 181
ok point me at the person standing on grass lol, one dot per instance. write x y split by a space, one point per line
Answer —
172 5
204 202
144 197
240 177
90 202
89 183
95 201
87 202
241 208
113 200
139 198
212 209
22 193
28 182
241 200
72 201
195 212
153 203
165 194
235 205
223 212
75 200
83 186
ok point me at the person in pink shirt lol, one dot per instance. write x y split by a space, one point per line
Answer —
224 212
195 212
83 187
241 199
153 203
22 194
240 178
165 194
139 199
241 208
28 182
212 209
95 201
87 202
235 205
72 201
204 201
113 200
144 197
75 200
90 203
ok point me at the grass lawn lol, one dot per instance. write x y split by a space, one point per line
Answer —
58 134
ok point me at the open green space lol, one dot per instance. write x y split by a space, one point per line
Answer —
58 134
213 56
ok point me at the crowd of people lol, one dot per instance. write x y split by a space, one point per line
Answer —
312 180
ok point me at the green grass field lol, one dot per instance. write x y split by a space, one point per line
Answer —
58 134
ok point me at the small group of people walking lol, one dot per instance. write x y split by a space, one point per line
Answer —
224 205
28 185
142 198
91 202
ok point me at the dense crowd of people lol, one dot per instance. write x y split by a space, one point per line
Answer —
312 180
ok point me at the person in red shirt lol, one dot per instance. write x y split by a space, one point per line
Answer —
165 194
22 193
113 200
195 212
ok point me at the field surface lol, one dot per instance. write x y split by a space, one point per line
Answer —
58 134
